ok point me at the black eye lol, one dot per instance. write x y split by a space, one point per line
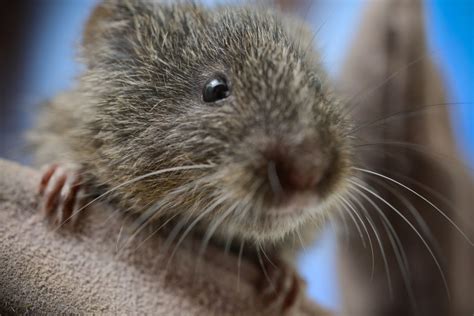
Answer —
215 89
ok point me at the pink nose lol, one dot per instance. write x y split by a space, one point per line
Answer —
294 169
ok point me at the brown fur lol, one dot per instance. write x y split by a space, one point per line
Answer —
137 109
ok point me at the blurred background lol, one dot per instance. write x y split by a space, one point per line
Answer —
37 60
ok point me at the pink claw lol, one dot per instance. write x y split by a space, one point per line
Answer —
59 188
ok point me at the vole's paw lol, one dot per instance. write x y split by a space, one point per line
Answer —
282 288
59 189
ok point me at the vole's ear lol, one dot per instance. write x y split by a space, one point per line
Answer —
95 25
108 14
109 19
118 29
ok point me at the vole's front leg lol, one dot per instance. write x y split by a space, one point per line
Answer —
59 188
282 287
284 291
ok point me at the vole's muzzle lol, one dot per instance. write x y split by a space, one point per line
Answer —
294 168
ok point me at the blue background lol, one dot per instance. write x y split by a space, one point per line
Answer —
51 68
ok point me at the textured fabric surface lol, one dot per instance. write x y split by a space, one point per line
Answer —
88 269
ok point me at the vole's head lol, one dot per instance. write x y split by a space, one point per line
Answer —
231 100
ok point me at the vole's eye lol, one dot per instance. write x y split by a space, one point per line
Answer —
215 89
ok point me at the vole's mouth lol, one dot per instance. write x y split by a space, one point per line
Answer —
294 205
273 222
286 185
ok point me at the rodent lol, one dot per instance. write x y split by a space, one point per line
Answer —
238 91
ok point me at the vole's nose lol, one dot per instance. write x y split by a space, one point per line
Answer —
293 169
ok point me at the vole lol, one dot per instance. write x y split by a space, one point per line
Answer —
219 120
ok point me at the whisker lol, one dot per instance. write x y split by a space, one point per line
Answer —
119 235
344 223
356 225
403 115
152 211
156 231
351 207
423 149
149 215
228 244
421 197
239 263
134 180
414 212
267 257
439 196
298 233
273 178
414 230
396 244
192 225
213 228
265 272
362 95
